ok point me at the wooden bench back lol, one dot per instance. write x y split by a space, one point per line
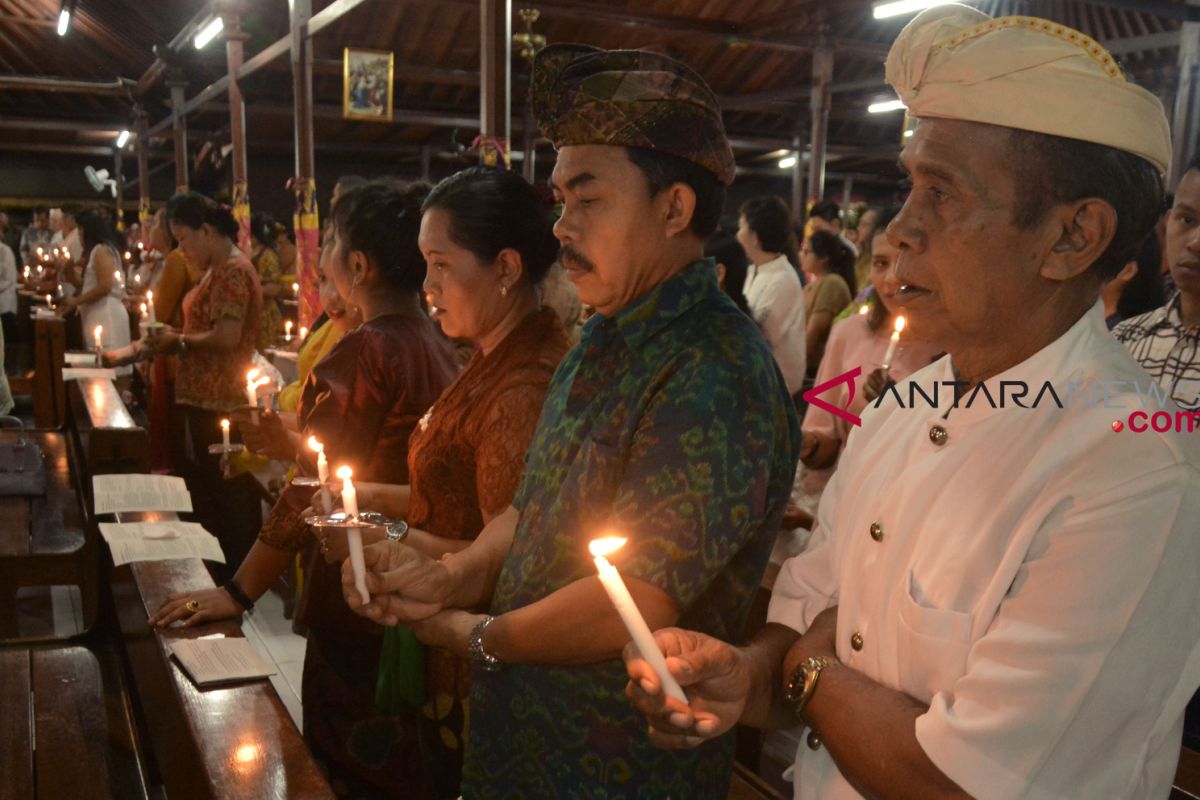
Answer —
49 397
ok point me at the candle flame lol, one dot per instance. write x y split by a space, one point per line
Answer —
251 375
224 424
900 323
316 446
344 473
606 545
98 331
149 296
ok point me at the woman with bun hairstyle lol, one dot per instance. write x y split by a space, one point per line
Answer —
215 347
488 243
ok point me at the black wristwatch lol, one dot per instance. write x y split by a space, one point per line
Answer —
241 598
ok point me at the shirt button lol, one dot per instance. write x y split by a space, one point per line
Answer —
856 642
938 435
877 531
814 741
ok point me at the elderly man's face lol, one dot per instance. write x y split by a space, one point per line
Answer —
1183 235
970 275
612 231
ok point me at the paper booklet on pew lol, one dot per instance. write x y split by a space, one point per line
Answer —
114 493
211 662
76 373
79 359
159 541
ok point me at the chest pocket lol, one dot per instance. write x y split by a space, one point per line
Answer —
931 643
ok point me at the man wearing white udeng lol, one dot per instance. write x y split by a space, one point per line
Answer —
997 602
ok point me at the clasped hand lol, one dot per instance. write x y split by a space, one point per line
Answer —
405 585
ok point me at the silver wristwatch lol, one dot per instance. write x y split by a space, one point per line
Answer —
397 531
486 661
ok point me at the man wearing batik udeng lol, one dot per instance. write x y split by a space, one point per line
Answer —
669 423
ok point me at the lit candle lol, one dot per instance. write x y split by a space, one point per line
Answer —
643 639
128 256
354 535
49 301
137 279
143 310
150 307
225 435
296 289
863 309
40 269
287 330
40 250
252 394
26 273
891 351
141 246
323 473
117 275
303 333
97 332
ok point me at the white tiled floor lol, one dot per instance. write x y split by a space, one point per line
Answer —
272 637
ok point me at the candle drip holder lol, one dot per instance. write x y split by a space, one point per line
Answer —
339 519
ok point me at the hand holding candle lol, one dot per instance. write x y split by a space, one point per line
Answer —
323 474
643 639
354 535
891 351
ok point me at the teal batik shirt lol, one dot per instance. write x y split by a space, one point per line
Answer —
670 423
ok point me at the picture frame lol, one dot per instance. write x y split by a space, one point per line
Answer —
367 78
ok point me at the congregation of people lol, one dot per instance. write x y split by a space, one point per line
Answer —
997 601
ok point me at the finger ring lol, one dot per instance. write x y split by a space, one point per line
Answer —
192 606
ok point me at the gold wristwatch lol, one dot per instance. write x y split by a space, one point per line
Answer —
803 682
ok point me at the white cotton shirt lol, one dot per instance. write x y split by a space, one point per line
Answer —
776 301
1035 580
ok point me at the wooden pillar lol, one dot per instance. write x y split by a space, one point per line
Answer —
529 166
495 97
306 220
235 38
799 210
1186 124
822 77
179 129
119 176
143 162
426 163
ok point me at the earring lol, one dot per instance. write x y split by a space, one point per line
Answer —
503 290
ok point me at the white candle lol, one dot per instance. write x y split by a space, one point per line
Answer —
26 273
40 251
150 307
137 279
225 435
128 255
97 333
643 639
49 302
143 310
323 473
303 332
287 330
296 289
252 394
891 351
354 535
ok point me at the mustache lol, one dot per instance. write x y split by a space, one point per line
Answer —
568 254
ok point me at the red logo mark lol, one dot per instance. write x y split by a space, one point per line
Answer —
847 378
1118 426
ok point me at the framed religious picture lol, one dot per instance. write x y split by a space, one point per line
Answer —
367 84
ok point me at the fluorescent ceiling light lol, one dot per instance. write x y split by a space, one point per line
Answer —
787 163
64 22
883 108
895 9
209 32
122 139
